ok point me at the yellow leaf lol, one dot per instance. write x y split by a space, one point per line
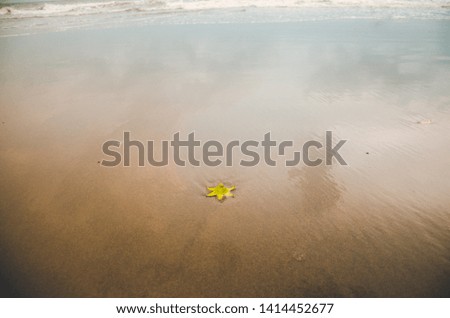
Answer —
220 191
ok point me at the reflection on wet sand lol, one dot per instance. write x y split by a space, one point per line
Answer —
319 192
377 227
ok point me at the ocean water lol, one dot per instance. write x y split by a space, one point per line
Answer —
22 16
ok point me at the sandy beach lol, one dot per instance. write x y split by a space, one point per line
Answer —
378 227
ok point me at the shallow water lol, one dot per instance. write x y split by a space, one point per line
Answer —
22 17
377 227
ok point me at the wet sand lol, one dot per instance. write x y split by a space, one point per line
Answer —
379 227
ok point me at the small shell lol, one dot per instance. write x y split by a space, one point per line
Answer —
425 122
299 257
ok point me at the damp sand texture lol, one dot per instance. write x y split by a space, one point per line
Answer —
379 227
